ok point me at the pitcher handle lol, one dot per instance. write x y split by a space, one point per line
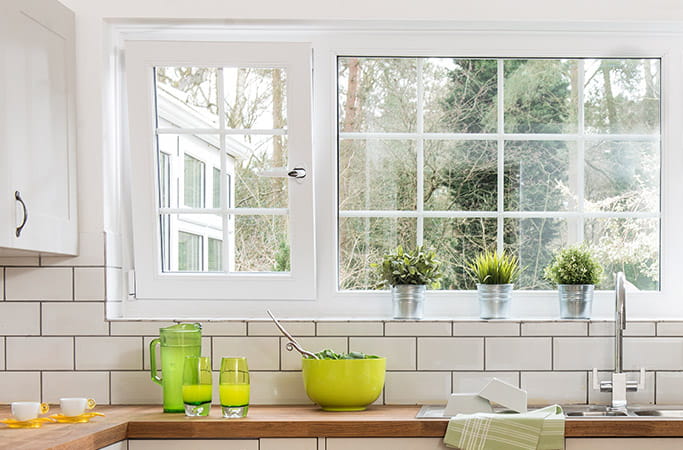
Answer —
153 360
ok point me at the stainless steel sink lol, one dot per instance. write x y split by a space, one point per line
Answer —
658 412
593 414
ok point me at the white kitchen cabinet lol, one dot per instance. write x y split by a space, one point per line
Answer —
385 444
37 128
184 444
121 445
623 443
288 444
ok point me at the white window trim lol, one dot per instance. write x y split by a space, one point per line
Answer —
458 40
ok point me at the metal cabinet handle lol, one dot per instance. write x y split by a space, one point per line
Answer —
17 197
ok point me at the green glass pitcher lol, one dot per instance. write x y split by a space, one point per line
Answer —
177 342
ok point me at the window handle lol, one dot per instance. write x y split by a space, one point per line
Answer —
17 197
283 172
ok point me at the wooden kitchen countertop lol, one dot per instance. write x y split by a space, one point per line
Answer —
148 422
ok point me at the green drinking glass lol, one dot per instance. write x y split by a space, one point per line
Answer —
234 387
197 386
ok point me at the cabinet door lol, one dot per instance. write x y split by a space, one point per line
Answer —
623 443
288 444
385 444
39 125
121 445
184 444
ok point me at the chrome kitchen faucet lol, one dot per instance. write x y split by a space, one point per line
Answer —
618 384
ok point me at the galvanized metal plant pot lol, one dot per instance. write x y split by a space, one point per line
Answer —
576 300
494 300
408 301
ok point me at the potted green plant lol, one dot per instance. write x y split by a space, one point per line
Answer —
575 271
408 273
495 274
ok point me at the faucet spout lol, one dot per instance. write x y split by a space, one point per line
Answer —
619 322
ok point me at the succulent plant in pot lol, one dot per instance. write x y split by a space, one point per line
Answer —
408 273
575 271
495 274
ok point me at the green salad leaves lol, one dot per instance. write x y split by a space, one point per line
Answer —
331 354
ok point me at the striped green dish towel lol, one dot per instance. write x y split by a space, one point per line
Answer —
542 429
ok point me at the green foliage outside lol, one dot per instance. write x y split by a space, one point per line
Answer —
574 265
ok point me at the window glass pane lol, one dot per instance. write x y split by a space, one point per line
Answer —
189 252
255 154
255 97
540 176
622 176
455 241
363 240
628 245
534 241
460 95
622 96
262 244
216 192
193 182
460 175
377 94
164 180
541 96
377 175
186 97
215 256
183 238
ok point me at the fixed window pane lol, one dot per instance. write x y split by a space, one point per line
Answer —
540 176
534 241
460 175
255 97
259 153
629 245
186 97
541 96
193 185
216 184
164 180
460 95
622 96
622 176
377 94
377 175
262 244
363 240
189 252
455 241
215 255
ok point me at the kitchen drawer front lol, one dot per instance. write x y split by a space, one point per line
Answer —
386 444
183 444
623 443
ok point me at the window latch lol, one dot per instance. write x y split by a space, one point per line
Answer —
283 172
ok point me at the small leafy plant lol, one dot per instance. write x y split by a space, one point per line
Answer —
419 266
331 354
574 265
495 268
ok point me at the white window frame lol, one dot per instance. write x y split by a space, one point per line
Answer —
141 56
449 40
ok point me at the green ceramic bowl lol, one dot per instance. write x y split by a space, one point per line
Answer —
343 384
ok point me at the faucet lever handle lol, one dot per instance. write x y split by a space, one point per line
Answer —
641 380
596 382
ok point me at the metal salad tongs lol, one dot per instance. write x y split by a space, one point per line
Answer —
292 344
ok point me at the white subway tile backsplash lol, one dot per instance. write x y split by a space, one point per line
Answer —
421 328
73 319
601 328
9 261
2 353
137 328
19 318
89 283
279 388
555 328
641 397
93 385
90 252
39 283
262 353
400 352
349 328
486 328
639 329
669 388
19 387
670 329
268 328
40 353
224 328
544 388
523 353
472 382
571 353
135 388
292 360
414 388
664 353
434 353
102 353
